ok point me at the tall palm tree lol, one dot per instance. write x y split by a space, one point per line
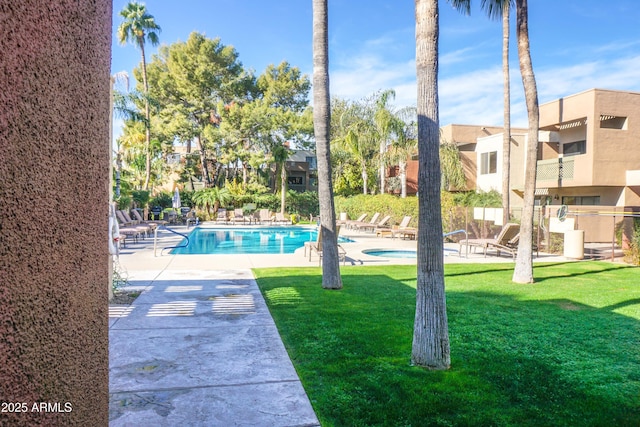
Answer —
404 145
523 271
384 120
321 124
139 27
430 347
501 9
506 135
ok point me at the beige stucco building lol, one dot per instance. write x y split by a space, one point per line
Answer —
593 155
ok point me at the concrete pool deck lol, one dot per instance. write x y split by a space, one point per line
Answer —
199 347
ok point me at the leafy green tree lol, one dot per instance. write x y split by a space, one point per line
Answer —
191 80
139 27
322 124
210 199
453 176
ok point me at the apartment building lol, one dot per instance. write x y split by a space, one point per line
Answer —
593 154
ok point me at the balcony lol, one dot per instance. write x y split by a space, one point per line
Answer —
555 171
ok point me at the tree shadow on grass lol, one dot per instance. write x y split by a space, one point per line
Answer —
514 362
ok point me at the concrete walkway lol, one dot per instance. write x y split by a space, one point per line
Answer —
199 348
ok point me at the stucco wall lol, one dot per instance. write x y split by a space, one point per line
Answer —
54 148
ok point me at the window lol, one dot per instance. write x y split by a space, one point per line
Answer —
580 200
574 148
313 162
295 180
488 163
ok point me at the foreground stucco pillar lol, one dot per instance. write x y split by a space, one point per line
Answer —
54 163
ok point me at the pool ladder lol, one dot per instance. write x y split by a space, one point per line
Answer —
155 240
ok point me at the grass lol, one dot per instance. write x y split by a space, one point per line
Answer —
564 351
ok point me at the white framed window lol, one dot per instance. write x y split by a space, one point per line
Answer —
488 163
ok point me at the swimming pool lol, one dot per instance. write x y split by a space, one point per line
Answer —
256 240
391 253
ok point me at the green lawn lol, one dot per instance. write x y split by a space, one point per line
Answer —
564 351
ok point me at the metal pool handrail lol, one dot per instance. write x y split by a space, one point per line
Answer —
155 239
466 236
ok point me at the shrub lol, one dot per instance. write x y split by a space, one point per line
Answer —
163 199
140 198
632 255
386 204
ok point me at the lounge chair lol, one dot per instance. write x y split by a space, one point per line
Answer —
264 216
190 218
222 215
137 216
356 224
348 222
317 248
513 246
343 218
389 231
148 226
238 215
503 242
128 228
372 227
280 218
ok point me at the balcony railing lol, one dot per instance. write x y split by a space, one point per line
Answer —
556 170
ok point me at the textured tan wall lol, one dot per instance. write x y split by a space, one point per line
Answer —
54 148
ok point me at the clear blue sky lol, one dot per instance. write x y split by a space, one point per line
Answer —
575 45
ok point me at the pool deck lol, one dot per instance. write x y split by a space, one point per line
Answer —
199 347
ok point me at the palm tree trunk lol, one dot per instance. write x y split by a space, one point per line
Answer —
147 116
523 271
365 180
403 179
283 187
430 346
321 124
383 149
506 136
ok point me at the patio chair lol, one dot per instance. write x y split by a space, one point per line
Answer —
238 215
372 227
137 216
264 216
389 231
348 222
342 219
136 223
356 224
222 215
317 248
128 228
502 242
281 218
513 244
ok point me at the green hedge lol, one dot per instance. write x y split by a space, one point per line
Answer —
386 204
395 206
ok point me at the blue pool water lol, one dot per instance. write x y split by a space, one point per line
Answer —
259 240
391 253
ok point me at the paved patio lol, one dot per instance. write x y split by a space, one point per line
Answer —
199 347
